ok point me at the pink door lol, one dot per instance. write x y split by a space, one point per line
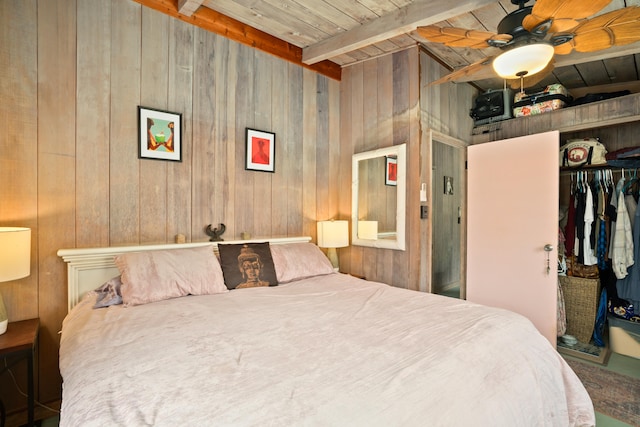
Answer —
512 215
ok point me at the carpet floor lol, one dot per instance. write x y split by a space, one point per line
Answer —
613 394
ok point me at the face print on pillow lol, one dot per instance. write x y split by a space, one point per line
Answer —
247 265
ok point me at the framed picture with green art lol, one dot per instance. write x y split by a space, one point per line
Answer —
159 134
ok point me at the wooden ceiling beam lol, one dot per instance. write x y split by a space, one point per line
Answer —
188 7
226 26
403 20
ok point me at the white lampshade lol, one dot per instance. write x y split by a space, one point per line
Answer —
15 261
523 60
15 253
368 230
333 234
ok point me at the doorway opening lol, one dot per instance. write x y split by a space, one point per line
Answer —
448 181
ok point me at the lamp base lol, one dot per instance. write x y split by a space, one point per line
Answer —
332 254
4 320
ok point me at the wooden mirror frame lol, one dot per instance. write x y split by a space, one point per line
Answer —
400 152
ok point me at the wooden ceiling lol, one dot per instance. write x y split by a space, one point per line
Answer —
329 34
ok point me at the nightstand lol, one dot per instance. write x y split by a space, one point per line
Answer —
19 342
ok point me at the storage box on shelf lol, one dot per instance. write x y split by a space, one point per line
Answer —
553 97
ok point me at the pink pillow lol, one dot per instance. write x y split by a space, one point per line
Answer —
157 275
295 261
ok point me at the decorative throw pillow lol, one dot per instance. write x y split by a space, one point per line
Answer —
294 261
109 293
247 265
157 275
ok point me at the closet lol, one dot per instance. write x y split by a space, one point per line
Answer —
615 122
621 184
586 242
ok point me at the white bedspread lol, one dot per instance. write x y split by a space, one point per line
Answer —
325 351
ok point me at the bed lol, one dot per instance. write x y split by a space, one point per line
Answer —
319 349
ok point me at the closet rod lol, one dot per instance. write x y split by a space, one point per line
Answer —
590 171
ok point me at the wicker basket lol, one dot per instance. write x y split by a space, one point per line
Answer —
581 298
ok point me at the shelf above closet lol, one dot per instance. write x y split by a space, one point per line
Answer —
611 112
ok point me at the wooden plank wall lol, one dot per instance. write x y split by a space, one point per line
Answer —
444 109
386 101
75 72
379 108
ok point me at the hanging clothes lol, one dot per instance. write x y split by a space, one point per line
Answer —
570 228
614 212
588 254
628 287
601 249
578 246
631 205
602 221
622 255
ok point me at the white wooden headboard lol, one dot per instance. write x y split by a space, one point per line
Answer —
89 268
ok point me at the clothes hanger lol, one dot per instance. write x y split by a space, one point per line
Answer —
587 181
604 181
579 182
633 179
572 183
612 183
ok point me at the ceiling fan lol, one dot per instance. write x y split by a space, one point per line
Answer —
531 35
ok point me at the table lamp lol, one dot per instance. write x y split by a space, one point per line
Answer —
332 235
15 261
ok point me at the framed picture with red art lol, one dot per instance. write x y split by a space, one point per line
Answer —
391 171
159 134
261 151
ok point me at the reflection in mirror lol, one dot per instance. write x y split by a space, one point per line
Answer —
368 230
378 204
376 199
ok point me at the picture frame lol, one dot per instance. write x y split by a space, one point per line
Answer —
391 171
260 150
448 185
159 134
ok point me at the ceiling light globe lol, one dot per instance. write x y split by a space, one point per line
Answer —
523 60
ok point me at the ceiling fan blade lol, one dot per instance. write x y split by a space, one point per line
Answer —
564 24
615 28
532 80
564 13
464 71
564 48
459 37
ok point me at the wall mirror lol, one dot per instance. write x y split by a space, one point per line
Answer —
378 198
